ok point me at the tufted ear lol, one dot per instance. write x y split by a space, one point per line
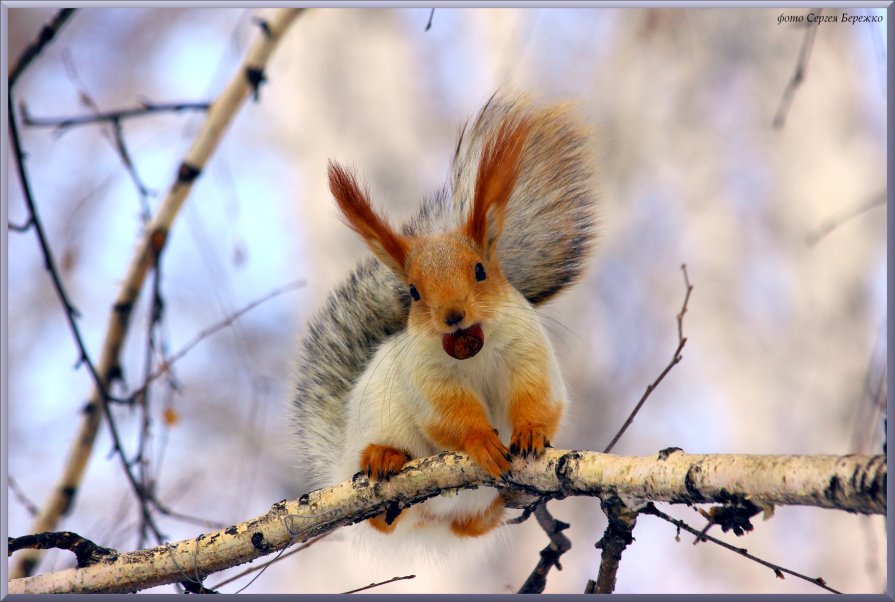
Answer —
389 246
498 170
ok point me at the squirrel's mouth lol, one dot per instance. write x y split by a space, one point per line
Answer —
463 343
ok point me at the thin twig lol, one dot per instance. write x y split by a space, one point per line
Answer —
559 545
798 76
253 569
210 330
650 508
675 358
830 224
116 139
30 507
186 518
146 108
21 227
46 35
527 511
156 314
71 312
372 585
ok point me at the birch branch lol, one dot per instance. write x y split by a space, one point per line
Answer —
853 483
244 83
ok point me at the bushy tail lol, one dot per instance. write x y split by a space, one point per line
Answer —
548 232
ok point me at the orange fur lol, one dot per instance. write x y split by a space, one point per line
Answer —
442 269
533 415
378 522
380 462
451 254
476 525
498 170
389 246
462 425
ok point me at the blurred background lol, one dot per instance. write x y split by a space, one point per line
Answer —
782 229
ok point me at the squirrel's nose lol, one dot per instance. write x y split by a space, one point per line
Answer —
453 317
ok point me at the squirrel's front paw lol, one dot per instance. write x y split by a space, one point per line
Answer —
529 439
379 462
489 452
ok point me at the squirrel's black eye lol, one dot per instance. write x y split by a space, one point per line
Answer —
414 293
479 272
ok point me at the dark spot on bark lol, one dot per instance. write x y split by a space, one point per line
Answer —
68 495
562 469
114 373
231 531
258 542
265 28
359 480
690 483
255 77
187 173
664 453
834 489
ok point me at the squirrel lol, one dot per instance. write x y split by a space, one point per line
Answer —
434 343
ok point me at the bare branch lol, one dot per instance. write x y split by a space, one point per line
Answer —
830 224
145 255
372 585
559 545
210 330
20 496
114 134
46 35
778 570
85 550
146 108
34 221
798 75
616 538
675 358
21 227
853 483
254 569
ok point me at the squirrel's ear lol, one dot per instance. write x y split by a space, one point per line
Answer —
498 170
386 244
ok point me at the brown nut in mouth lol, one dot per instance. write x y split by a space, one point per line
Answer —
463 343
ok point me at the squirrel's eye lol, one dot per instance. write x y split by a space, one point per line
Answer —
479 272
414 293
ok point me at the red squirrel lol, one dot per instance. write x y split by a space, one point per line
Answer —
455 357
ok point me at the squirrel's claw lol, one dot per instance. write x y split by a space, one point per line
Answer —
380 462
529 440
489 452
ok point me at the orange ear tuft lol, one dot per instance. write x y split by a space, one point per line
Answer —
391 248
498 170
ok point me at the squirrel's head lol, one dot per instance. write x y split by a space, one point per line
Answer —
453 278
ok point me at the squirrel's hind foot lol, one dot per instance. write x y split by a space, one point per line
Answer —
479 524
